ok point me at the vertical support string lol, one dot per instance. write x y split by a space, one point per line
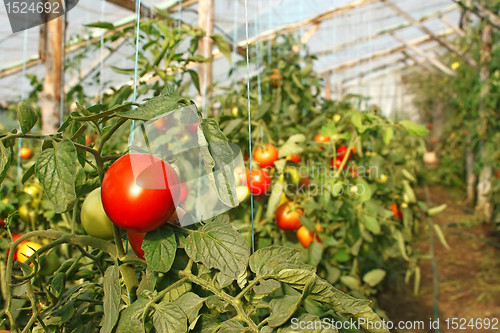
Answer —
101 70
249 127
257 52
63 67
235 34
23 96
205 74
180 17
134 98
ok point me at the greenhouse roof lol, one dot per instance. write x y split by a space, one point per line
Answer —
353 40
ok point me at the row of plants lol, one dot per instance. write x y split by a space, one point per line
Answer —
67 218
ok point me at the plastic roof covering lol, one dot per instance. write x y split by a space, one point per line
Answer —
263 15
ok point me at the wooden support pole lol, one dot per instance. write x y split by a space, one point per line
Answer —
50 98
442 41
457 29
206 22
328 87
416 61
307 36
438 64
130 5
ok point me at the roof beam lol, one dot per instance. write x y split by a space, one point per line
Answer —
457 29
307 36
438 64
386 31
442 41
130 5
270 34
384 53
482 12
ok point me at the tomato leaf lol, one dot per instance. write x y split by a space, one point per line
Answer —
232 326
6 158
131 317
414 129
374 277
371 224
169 318
292 146
218 245
30 172
190 304
99 24
282 308
195 79
315 253
111 300
148 282
26 116
329 129
56 170
388 135
222 45
274 199
159 248
263 261
267 287
153 108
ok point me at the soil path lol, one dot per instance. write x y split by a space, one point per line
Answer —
469 274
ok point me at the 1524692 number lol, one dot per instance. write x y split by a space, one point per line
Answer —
23 7
479 323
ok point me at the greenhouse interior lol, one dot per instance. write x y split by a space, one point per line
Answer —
249 166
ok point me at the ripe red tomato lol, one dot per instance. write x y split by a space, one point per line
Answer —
261 180
135 238
306 236
2 223
433 140
88 140
192 128
397 213
498 173
337 163
431 127
293 158
14 238
138 192
341 151
287 216
266 156
304 181
25 153
321 138
184 193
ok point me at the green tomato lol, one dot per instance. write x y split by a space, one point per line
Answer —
336 118
383 179
34 191
94 219
26 214
50 264
242 193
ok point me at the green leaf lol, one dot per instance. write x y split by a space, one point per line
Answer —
153 108
126 71
222 45
315 253
414 129
159 248
329 129
282 309
388 135
371 224
351 282
131 317
6 158
218 245
232 326
274 199
306 222
233 125
264 261
204 324
342 256
294 274
195 79
364 190
30 172
148 282
111 300
169 318
26 116
293 146
56 170
190 304
216 151
440 235
267 286
99 24
374 277
356 120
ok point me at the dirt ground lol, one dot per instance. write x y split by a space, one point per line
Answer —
469 274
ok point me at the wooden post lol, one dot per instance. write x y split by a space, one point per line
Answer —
50 98
457 29
484 185
206 22
328 87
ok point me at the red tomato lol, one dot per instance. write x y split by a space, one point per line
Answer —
184 193
159 123
433 140
304 181
498 173
135 238
266 156
337 163
261 180
287 216
341 151
2 223
14 238
431 127
138 194
25 153
306 236
397 213
293 158
321 138
192 128
88 140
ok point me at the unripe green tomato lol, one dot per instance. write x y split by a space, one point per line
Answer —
336 118
50 264
383 179
94 219
404 205
353 189
242 193
234 111
34 191
293 176
24 213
